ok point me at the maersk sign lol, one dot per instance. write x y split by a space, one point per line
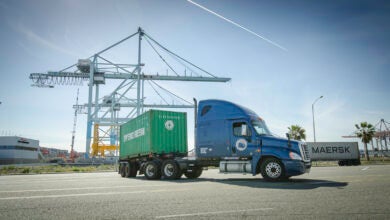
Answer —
333 150
154 132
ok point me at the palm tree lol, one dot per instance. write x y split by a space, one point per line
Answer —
297 132
366 132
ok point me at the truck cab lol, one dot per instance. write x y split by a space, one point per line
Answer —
240 141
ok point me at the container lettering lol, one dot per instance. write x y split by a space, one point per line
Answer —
137 133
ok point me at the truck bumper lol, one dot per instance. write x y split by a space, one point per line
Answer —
296 167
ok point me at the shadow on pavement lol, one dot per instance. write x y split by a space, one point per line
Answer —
300 184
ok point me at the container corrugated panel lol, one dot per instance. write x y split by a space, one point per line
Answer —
155 132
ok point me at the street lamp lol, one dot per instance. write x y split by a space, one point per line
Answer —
312 111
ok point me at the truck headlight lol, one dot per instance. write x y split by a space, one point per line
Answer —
295 156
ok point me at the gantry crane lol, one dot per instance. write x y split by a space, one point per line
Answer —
381 135
105 111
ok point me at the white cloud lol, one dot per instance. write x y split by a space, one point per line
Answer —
331 108
30 35
374 112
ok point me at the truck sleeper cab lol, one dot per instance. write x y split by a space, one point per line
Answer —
241 141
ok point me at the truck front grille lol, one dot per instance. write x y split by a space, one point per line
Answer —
305 152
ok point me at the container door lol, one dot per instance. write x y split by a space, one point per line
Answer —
242 140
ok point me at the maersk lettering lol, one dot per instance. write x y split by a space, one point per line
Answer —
330 150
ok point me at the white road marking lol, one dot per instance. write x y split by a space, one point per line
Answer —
90 194
211 213
365 168
81 188
41 181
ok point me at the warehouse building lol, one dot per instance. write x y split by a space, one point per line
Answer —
16 150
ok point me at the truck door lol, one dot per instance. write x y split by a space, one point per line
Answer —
242 141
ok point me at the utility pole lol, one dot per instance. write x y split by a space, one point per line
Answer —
140 33
312 111
72 154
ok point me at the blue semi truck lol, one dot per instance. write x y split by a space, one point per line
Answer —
228 136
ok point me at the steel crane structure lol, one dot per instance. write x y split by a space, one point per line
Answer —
77 110
128 99
381 135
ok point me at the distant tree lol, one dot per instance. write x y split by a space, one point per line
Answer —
366 132
297 132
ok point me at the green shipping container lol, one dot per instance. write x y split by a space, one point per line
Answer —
155 131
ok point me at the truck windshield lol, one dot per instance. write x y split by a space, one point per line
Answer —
260 127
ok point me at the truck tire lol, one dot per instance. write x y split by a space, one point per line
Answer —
342 163
196 172
127 170
272 170
122 170
170 170
133 169
152 170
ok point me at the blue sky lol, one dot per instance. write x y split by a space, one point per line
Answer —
338 49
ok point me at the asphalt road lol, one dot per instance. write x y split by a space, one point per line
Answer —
361 192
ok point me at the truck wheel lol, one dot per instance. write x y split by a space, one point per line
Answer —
272 170
133 170
342 163
152 170
170 170
196 172
127 170
122 170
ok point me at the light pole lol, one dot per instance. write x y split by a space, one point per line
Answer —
312 111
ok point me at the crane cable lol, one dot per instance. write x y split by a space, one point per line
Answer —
162 88
161 57
162 47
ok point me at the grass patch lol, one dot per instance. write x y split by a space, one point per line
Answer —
324 163
373 161
11 170
26 170
376 161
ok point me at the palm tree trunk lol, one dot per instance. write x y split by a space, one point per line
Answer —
366 152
